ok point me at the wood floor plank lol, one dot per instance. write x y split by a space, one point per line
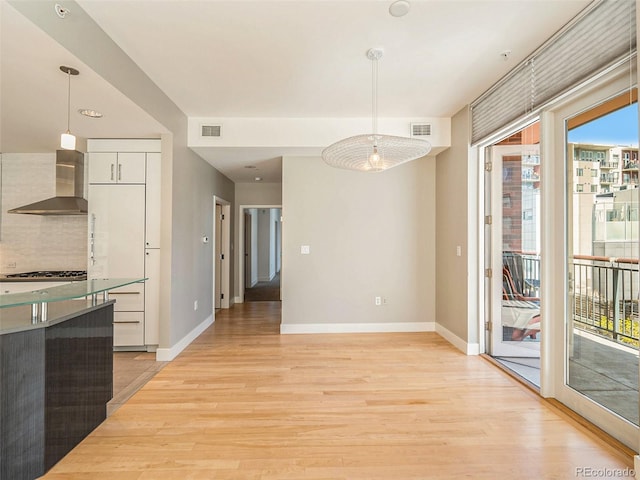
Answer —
243 402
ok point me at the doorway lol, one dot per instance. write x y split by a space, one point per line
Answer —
261 256
512 222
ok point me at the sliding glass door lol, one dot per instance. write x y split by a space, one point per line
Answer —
594 309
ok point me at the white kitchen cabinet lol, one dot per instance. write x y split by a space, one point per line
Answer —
130 298
117 167
128 329
152 297
153 186
124 219
116 231
116 250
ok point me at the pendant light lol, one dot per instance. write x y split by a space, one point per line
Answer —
67 139
374 152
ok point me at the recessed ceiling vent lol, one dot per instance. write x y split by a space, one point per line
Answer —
211 130
420 129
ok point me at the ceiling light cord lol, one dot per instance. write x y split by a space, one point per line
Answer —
374 95
67 139
68 101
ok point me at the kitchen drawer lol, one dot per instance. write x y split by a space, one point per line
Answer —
128 329
129 298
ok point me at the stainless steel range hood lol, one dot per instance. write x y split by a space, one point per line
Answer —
69 188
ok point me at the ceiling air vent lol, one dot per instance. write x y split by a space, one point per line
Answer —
420 129
211 130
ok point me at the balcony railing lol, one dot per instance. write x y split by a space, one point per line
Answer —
524 271
604 292
608 178
605 297
608 164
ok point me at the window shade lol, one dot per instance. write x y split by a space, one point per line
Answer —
605 34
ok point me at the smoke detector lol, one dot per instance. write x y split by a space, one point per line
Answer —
61 11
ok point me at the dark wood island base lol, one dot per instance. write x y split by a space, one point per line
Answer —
56 378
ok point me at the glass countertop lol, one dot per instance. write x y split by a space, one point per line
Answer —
69 291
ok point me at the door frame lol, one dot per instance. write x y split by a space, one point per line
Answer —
225 249
241 262
483 233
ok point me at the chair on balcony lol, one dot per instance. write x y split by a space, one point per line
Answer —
520 312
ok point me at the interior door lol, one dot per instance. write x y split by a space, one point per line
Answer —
514 242
247 250
217 301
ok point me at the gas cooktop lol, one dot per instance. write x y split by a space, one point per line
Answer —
49 275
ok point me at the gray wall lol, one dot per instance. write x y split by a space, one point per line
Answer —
369 234
452 198
195 182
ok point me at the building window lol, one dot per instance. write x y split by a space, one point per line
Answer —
579 187
594 173
594 188
579 172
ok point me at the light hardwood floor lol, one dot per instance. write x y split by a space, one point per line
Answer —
243 402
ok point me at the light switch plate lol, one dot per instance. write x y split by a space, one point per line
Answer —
305 249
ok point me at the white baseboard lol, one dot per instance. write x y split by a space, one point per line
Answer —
237 299
636 466
456 341
357 327
168 354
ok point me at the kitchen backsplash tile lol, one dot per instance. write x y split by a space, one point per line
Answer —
35 242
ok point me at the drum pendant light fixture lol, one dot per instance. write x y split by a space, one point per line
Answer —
67 139
374 152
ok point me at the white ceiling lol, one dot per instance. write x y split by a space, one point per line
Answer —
269 59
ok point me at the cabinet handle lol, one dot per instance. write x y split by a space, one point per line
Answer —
124 293
119 172
92 239
128 321
112 172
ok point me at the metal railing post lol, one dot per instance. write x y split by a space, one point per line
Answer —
616 300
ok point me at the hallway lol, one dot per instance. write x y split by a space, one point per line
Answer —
244 402
264 291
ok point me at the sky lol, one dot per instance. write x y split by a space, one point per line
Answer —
617 128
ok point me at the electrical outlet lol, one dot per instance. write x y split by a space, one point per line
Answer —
11 265
195 305
378 301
